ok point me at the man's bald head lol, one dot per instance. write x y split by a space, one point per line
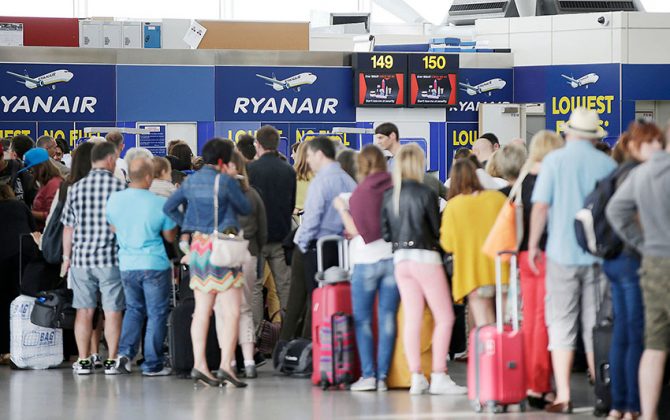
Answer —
483 149
141 172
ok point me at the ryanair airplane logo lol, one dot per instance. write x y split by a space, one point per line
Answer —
294 82
50 104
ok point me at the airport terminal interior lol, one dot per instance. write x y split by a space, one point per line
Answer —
320 209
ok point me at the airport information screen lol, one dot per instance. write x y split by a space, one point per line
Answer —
380 79
432 79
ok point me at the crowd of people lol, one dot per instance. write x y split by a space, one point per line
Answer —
127 222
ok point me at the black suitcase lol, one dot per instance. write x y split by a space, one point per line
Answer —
180 344
602 339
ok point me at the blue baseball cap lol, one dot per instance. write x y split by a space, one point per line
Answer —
34 157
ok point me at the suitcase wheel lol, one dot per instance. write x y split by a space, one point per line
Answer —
324 383
476 405
522 406
494 407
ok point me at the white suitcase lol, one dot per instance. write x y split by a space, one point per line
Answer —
31 346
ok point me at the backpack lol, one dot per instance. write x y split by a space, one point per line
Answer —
293 358
52 238
594 233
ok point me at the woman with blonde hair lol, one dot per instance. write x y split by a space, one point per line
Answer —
303 174
474 272
411 222
372 259
296 320
533 291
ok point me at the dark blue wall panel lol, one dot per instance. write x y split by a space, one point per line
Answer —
165 93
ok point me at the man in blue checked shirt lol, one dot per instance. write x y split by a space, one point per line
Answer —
321 218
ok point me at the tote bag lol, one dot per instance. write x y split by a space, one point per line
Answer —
507 231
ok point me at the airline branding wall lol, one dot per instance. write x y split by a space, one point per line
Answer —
57 99
476 86
298 101
564 88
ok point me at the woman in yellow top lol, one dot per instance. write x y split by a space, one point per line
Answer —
303 175
469 216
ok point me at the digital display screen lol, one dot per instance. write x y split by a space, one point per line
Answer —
380 79
432 79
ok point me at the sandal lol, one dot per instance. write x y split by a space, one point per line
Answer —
542 402
631 416
615 415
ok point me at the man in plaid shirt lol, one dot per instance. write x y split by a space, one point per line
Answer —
90 253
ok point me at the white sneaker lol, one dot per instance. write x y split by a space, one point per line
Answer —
83 367
97 361
123 365
419 384
442 384
381 386
364 384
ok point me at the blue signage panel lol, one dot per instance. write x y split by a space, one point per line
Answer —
458 135
11 129
153 141
299 131
57 129
480 86
645 82
594 86
233 130
284 94
166 93
530 84
205 132
57 92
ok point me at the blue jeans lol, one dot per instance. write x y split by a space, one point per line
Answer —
628 331
147 296
366 280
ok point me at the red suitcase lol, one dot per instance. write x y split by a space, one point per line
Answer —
331 297
496 368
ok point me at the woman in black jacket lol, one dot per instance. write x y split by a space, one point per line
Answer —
17 221
410 221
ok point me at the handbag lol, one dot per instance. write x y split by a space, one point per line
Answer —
267 334
53 309
507 231
227 250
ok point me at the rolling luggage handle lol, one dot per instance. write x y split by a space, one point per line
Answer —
514 280
342 256
514 290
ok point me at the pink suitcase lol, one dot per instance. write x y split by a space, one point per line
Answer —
496 368
329 299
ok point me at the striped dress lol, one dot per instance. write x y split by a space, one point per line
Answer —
206 277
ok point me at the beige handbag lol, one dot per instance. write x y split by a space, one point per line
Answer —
227 250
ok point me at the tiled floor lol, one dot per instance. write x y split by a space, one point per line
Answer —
58 394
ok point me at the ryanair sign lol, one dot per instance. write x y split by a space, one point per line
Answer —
478 86
45 92
284 94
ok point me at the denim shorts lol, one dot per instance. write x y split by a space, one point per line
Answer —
86 282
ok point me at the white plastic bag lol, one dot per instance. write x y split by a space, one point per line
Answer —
31 346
